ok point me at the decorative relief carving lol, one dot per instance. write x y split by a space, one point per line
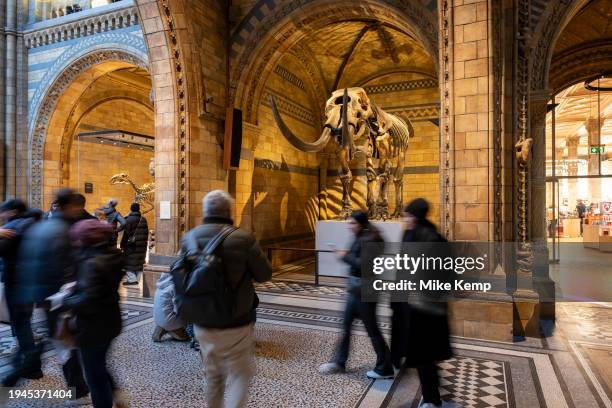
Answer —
445 131
100 23
419 112
47 107
523 142
401 86
289 76
498 197
290 108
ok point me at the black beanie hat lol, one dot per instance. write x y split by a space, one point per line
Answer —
419 207
135 207
361 218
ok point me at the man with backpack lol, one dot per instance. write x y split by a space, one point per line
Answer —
214 291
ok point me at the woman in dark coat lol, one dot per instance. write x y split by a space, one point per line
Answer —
95 305
134 243
420 332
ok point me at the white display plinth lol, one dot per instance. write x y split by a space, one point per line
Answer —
339 234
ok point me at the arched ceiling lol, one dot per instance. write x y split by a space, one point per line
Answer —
583 49
592 23
346 52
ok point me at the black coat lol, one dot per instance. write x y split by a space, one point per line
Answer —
135 252
353 256
9 246
420 332
44 260
95 301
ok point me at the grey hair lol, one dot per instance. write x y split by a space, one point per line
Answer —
218 203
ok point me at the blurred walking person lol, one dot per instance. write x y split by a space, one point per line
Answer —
16 220
82 213
420 332
44 263
229 259
134 244
363 232
94 303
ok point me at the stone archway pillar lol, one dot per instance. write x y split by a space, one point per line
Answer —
542 285
537 204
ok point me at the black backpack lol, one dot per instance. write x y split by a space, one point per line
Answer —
202 295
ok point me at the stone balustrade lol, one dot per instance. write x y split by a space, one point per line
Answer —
89 22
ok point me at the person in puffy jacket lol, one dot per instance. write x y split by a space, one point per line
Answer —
95 305
166 319
114 218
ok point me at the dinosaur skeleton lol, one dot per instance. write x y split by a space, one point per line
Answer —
357 125
144 195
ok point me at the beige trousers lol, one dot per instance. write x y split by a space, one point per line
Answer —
228 357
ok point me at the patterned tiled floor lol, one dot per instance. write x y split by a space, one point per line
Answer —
473 383
570 369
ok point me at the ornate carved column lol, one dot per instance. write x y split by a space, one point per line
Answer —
592 126
2 92
572 169
10 101
537 204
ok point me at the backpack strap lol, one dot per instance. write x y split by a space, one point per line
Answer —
218 239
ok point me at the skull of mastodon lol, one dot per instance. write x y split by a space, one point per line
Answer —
347 112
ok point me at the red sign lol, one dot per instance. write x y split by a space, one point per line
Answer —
606 206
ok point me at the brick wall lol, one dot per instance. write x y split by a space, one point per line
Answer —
472 116
276 191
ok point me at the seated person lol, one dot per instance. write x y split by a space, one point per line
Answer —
166 320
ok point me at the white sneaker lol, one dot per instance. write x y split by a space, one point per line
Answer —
375 376
331 368
86 400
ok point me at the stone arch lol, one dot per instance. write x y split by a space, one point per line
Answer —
44 154
580 64
557 16
256 51
159 53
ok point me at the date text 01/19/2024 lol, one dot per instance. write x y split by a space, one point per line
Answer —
33 394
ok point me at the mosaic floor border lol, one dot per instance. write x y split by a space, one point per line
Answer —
561 373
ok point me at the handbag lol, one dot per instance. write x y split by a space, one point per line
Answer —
66 326
132 239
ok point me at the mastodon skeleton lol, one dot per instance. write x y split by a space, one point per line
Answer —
357 125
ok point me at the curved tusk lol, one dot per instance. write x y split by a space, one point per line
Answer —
298 143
